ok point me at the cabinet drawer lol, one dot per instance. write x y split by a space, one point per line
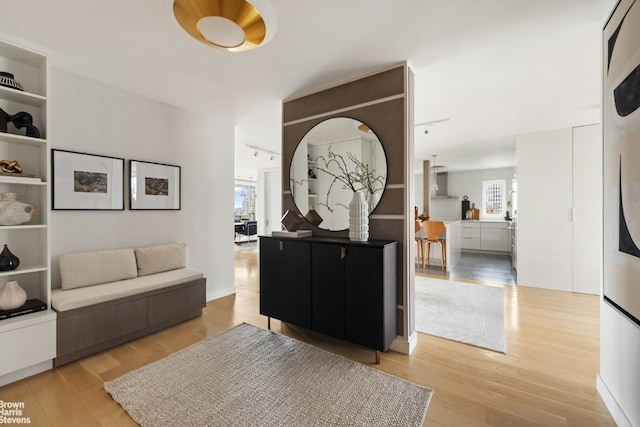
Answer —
470 242
470 230
495 225
29 346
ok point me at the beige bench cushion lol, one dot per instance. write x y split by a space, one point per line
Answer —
62 300
156 259
93 268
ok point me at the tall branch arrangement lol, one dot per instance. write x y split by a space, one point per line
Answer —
359 177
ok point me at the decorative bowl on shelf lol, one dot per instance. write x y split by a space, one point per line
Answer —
13 212
7 80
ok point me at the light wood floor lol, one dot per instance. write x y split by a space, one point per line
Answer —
546 378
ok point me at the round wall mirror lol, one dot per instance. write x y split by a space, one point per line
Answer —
333 160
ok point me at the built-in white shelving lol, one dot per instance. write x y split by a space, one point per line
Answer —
27 341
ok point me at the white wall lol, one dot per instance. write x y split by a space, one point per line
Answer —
418 191
92 117
269 200
587 207
465 183
619 377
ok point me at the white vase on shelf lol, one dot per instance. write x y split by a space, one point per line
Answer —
358 218
374 198
12 296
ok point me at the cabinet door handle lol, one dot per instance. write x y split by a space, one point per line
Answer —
343 252
281 246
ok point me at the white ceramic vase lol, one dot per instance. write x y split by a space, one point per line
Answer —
12 296
358 218
373 201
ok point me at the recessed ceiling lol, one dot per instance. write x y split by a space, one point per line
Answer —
495 68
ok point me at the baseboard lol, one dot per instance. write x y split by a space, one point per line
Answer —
219 293
405 346
26 372
611 403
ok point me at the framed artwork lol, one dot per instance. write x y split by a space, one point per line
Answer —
82 181
621 154
154 186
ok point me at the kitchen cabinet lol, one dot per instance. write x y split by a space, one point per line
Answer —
349 291
491 236
495 236
470 234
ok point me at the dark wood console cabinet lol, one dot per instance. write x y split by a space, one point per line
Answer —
335 286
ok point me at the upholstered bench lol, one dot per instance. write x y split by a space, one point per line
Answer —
107 298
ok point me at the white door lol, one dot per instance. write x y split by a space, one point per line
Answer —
544 232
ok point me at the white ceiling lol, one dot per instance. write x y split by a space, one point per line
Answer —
494 68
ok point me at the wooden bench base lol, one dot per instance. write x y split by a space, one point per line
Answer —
88 330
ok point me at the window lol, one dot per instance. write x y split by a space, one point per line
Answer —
245 201
493 199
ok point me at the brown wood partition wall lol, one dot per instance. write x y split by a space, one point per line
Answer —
382 101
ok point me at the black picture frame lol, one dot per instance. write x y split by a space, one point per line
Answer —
84 181
160 182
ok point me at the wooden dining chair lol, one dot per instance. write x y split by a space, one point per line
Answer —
419 243
433 229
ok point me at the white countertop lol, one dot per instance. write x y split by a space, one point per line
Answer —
449 221
483 220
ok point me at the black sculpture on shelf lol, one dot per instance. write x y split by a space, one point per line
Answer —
20 120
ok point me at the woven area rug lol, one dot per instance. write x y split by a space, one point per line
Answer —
248 376
472 314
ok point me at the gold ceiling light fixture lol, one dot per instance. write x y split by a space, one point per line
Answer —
364 128
231 25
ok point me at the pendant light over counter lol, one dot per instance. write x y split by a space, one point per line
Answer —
231 25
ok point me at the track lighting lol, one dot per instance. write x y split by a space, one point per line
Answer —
256 151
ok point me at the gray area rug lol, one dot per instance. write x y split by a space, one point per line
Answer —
472 314
247 376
